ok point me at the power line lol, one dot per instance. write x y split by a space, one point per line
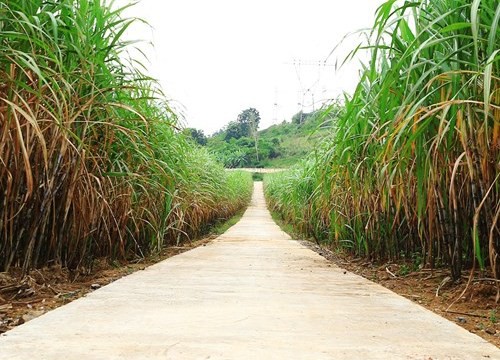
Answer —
321 66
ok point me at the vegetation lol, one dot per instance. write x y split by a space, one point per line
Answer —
246 125
413 165
280 145
92 163
196 135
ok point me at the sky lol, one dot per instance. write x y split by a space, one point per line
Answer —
216 58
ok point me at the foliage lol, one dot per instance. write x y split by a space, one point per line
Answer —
278 146
256 176
197 135
91 161
233 130
302 117
246 125
413 163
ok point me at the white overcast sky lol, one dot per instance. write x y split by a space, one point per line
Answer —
216 58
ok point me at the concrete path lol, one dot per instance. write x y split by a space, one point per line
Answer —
251 294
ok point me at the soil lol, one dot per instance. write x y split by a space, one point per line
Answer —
23 299
472 306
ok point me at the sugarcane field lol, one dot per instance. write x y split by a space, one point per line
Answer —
250 179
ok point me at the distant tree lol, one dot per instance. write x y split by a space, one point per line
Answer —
233 131
249 120
246 125
197 135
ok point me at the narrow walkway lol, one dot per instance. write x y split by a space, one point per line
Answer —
251 294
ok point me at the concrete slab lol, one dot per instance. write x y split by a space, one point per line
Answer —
251 294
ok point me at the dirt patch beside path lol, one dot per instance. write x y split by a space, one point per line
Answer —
23 299
475 311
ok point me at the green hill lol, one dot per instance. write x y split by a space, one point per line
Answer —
280 145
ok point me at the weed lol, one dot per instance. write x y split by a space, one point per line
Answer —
493 316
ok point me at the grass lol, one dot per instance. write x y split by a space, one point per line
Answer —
286 226
224 225
257 176
411 166
92 160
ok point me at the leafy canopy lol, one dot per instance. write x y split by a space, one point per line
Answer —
245 125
